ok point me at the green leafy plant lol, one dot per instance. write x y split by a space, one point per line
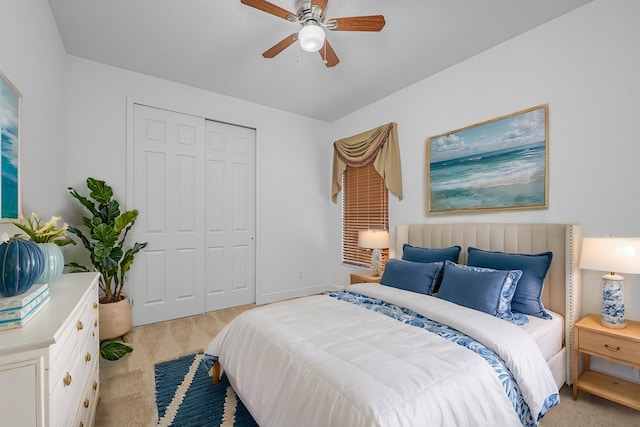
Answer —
49 232
114 350
105 241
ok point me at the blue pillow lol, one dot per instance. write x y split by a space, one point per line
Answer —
534 270
418 254
482 289
411 276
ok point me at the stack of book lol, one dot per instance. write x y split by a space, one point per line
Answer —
16 311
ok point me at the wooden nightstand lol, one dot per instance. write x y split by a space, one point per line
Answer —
364 278
616 345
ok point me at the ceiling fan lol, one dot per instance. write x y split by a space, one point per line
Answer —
311 15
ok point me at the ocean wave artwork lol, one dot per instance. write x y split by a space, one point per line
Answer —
9 121
501 164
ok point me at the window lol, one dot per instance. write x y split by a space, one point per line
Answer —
365 205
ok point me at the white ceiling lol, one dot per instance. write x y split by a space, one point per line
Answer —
217 45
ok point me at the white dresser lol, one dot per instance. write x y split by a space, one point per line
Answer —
49 367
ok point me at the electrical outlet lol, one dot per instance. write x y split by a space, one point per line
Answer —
636 373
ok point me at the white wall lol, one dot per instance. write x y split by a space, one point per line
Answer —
292 178
586 66
32 57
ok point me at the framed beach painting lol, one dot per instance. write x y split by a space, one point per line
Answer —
9 149
494 165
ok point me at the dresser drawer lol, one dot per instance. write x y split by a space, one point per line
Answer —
69 389
88 402
74 357
83 324
617 348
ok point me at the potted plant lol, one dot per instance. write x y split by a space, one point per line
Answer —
105 241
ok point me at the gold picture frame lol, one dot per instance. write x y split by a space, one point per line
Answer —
498 164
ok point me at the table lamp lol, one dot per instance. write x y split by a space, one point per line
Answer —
375 240
616 255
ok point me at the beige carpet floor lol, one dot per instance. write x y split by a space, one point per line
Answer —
127 386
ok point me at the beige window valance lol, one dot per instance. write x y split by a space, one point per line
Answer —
380 146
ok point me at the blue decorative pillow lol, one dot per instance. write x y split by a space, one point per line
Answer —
411 276
482 289
418 254
534 269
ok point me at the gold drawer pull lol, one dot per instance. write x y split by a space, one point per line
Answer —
67 379
87 357
95 305
611 348
79 325
95 385
86 403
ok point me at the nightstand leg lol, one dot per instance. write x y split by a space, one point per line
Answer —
587 362
575 374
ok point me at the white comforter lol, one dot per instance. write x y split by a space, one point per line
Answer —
318 361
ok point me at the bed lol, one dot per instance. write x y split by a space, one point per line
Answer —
379 355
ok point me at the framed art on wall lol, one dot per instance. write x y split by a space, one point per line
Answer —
494 165
9 149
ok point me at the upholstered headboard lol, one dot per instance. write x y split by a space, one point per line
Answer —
562 291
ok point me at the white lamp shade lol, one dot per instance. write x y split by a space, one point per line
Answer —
373 239
311 37
611 254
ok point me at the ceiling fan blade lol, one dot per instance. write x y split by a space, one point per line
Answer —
280 46
328 55
271 8
322 4
357 23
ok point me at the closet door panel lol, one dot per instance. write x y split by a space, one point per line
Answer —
167 278
230 221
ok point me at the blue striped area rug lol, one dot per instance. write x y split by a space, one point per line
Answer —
185 396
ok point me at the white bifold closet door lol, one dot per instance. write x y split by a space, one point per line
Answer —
193 183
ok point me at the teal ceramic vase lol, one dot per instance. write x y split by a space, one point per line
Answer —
53 263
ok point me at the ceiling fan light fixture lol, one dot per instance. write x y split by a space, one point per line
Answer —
311 37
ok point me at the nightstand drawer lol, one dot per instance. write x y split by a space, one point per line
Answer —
610 347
